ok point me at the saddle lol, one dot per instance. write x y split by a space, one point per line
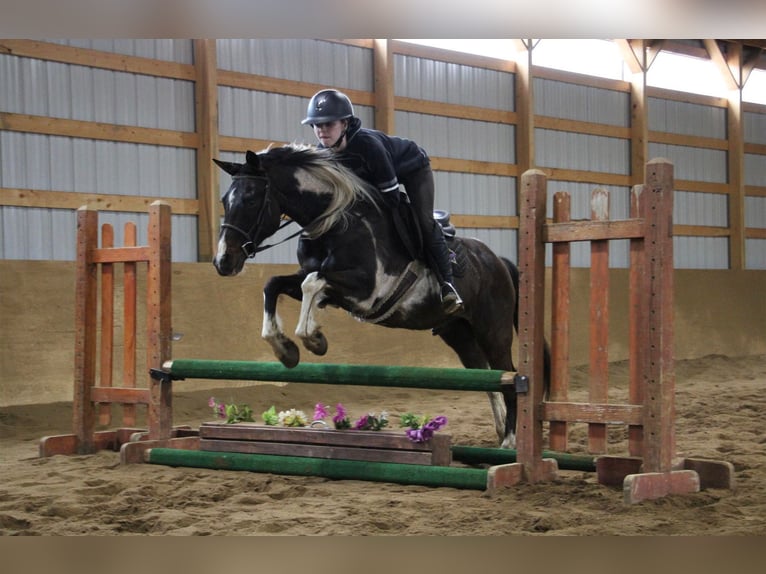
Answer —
408 228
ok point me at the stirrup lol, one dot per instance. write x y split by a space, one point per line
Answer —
451 301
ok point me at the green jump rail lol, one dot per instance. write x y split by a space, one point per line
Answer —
412 474
339 374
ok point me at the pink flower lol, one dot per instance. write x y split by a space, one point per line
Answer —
320 412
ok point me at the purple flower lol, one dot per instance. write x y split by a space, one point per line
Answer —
211 402
340 413
362 423
320 412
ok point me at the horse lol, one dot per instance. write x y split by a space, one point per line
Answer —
353 255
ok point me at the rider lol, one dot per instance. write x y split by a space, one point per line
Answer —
385 162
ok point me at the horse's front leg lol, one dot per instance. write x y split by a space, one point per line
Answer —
284 348
308 328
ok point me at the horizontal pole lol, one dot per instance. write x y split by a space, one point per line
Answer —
494 456
335 374
468 478
588 230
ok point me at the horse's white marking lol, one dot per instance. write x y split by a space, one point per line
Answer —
312 286
498 411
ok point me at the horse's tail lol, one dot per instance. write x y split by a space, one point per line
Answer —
514 271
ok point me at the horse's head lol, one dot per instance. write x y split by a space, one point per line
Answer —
251 214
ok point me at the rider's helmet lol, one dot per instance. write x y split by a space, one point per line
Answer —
328 106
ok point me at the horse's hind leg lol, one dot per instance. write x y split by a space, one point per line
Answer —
308 328
459 336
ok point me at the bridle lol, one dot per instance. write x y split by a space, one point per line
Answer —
249 246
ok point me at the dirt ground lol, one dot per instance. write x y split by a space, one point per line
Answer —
720 405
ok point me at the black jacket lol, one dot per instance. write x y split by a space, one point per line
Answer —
380 159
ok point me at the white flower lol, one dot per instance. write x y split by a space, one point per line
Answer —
292 418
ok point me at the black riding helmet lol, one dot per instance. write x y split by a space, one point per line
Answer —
328 106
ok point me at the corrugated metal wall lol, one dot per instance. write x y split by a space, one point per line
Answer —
584 152
79 164
56 163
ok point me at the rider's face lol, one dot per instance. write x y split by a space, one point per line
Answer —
329 133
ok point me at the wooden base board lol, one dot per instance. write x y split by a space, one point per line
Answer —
652 485
370 446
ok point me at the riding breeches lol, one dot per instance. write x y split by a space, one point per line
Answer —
420 189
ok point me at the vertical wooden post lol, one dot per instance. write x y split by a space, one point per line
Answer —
106 352
86 327
129 293
525 110
531 309
560 310
599 320
158 318
638 317
206 104
385 115
659 434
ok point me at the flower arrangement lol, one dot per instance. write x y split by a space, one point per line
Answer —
232 413
420 428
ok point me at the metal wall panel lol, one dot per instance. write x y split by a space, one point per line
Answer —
694 208
700 252
319 62
438 81
754 125
567 150
462 139
696 164
686 118
475 194
176 50
60 163
583 103
51 234
755 169
755 212
503 242
755 253
68 91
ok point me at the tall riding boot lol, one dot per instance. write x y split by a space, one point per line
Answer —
451 301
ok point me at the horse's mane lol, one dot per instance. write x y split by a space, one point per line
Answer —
340 183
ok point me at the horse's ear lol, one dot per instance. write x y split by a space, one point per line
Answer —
229 167
253 159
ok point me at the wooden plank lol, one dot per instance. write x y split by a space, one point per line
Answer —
612 470
119 254
485 221
383 86
53 199
600 413
129 294
593 230
688 140
455 111
560 313
531 306
712 473
582 176
599 321
701 231
317 451
374 439
158 319
580 127
133 452
121 395
106 353
653 485
659 420
96 59
86 328
96 130
473 166
206 107
638 311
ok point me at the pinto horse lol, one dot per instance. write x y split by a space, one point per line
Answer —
352 256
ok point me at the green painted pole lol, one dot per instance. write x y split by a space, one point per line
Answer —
482 455
467 478
336 374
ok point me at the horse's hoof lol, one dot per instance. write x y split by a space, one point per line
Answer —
290 355
316 344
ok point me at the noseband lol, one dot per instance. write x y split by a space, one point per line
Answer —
249 246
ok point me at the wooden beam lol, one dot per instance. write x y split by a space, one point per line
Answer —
731 75
96 130
383 64
525 121
206 110
18 197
